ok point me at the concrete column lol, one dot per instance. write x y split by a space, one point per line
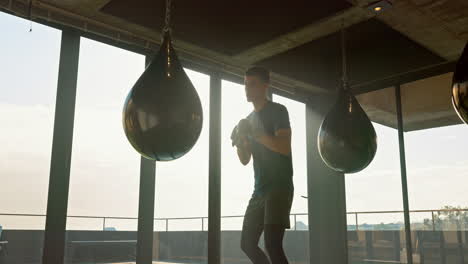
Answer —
326 194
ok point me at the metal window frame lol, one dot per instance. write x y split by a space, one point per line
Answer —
214 184
404 180
59 179
144 246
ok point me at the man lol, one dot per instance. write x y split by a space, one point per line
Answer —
265 136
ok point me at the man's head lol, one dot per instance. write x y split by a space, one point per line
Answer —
256 80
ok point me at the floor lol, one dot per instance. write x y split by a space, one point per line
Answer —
154 262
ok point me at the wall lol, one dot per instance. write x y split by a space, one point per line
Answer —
191 246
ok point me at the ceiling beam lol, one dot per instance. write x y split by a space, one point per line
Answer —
406 77
304 35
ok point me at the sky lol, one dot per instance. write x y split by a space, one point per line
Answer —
104 178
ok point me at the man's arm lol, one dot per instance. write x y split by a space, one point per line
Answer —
244 152
280 142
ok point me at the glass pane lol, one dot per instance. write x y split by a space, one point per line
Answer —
437 172
182 194
442 166
237 180
29 70
104 180
373 195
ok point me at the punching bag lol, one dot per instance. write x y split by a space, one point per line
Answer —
162 114
460 87
347 141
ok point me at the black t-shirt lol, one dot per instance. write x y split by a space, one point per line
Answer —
272 170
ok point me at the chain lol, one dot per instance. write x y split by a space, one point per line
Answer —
167 21
167 28
30 6
343 54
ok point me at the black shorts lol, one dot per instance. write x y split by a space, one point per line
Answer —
273 207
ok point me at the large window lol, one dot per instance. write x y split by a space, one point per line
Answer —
29 70
437 171
374 194
237 181
181 199
377 187
104 178
436 175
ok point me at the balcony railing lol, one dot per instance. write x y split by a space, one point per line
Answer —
203 218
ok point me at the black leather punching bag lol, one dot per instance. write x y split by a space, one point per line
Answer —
162 115
347 140
460 87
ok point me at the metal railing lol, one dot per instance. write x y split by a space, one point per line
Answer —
432 212
203 218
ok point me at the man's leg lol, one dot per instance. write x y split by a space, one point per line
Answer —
249 244
277 210
274 243
252 229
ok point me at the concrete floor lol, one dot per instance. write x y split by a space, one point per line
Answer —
154 262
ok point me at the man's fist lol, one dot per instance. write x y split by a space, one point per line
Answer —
243 128
240 132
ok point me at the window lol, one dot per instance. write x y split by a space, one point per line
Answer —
376 190
437 168
182 193
237 179
29 70
104 180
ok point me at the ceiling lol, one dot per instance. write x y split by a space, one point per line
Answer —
375 51
227 27
425 104
297 40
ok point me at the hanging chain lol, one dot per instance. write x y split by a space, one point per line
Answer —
30 14
167 28
167 21
343 55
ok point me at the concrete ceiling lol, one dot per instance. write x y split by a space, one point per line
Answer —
297 40
226 27
425 103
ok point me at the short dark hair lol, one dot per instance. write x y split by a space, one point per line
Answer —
260 72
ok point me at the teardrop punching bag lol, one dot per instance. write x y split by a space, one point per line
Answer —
460 87
347 140
162 115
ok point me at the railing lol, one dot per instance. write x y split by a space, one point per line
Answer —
202 219
411 211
